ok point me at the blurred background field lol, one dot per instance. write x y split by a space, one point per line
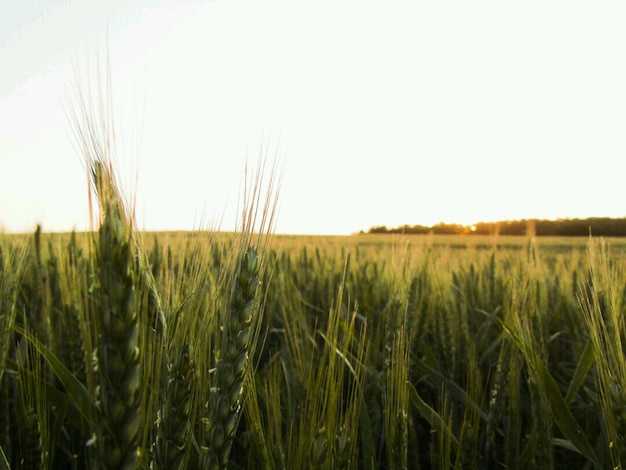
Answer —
360 242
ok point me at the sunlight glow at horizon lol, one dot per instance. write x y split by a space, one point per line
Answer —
382 113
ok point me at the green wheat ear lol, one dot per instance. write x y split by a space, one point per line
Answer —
225 397
117 368
174 426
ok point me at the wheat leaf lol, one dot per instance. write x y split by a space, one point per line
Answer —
4 463
560 411
74 388
430 415
582 368
563 416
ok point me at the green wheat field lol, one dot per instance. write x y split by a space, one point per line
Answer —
205 350
122 349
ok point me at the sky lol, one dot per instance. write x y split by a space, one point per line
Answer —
376 113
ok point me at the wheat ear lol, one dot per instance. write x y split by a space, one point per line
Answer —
226 397
174 427
117 366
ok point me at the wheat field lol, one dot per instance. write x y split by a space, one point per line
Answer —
123 349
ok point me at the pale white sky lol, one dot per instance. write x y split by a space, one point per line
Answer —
383 113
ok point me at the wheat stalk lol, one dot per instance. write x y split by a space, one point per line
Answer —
31 410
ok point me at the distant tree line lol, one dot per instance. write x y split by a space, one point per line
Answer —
596 226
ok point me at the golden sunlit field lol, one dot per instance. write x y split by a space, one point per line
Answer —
238 350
